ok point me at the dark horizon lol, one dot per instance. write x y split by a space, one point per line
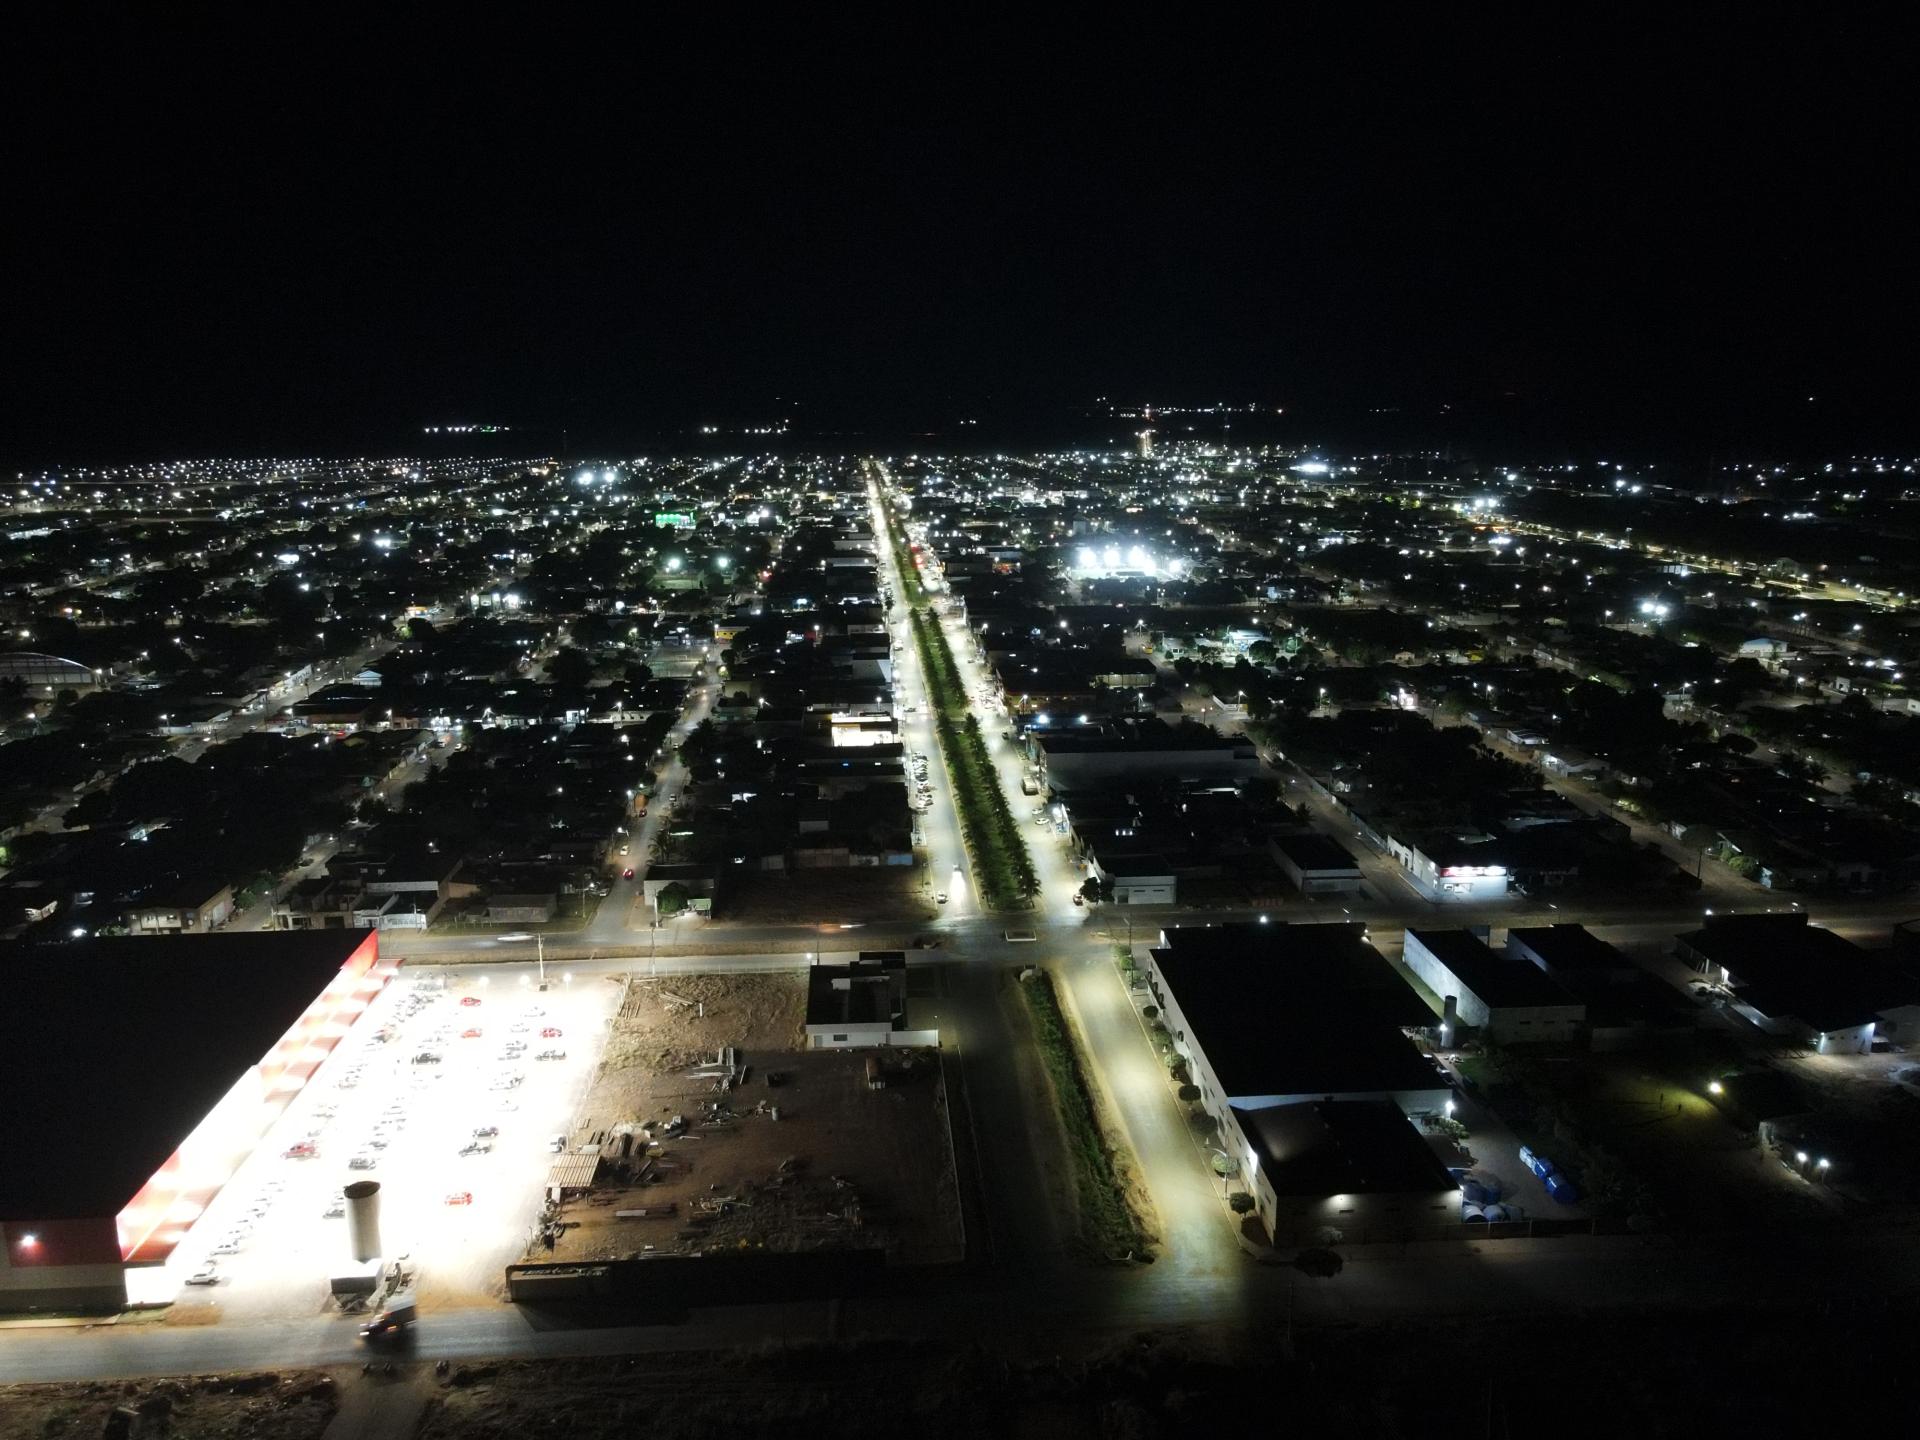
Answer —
240 237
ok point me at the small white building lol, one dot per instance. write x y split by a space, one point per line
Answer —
862 1005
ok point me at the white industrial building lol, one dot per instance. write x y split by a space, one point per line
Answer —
1510 1001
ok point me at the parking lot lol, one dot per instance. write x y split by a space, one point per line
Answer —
449 1092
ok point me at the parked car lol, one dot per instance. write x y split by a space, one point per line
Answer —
469 1000
460 1197
300 1150
551 1055
550 1032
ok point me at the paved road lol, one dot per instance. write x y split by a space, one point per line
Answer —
620 913
1484 1279
948 869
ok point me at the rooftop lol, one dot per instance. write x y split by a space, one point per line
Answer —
157 1029
1783 966
1343 1147
1499 982
1570 948
1316 852
1296 1010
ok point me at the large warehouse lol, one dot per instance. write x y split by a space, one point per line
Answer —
140 1073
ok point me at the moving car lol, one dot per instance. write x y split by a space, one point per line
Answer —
471 1000
399 1313
941 898
627 874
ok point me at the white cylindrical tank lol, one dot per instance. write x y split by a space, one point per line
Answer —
363 1218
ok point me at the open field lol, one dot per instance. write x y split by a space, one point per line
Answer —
293 1406
1436 1377
814 897
794 1152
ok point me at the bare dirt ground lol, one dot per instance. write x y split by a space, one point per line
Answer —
844 1165
828 897
294 1405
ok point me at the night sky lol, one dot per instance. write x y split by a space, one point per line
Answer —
238 235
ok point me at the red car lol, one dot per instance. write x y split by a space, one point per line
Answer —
469 1034
469 999
552 1032
460 1197
627 874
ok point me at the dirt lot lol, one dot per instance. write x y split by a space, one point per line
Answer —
844 1165
293 1406
816 897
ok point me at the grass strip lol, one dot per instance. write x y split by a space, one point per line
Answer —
1107 1223
1003 868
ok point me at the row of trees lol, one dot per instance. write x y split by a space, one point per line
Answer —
1002 867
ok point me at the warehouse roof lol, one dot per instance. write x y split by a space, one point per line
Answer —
117 1047
1782 966
1296 1010
1343 1147
1500 983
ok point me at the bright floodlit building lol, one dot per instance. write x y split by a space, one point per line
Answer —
139 1074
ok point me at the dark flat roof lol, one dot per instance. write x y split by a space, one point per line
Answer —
1296 1009
1343 1147
1498 982
1316 852
1571 948
1261 965
116 1048
1784 967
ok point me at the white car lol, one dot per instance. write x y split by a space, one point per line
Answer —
204 1277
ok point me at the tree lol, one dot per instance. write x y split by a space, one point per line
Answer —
1261 652
570 668
672 899
1734 743
1185 667
1095 890
1240 1202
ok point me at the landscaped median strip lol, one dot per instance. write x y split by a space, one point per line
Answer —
1001 865
1107 1223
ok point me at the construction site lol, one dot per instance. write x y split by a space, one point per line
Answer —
709 1129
